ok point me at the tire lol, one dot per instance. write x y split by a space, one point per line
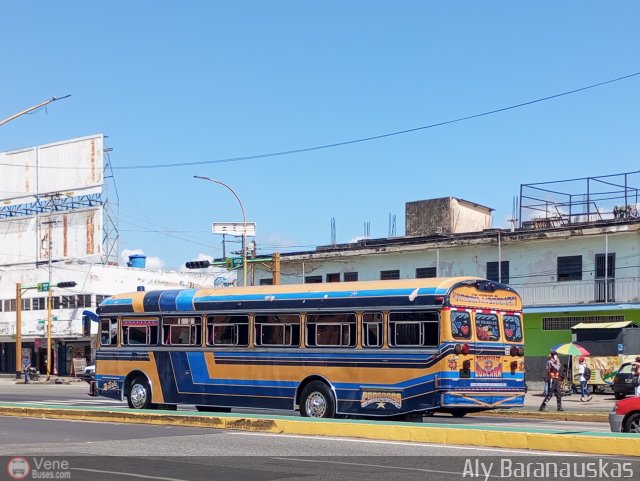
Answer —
632 424
212 409
458 413
139 394
619 395
317 401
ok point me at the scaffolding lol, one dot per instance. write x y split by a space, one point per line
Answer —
580 201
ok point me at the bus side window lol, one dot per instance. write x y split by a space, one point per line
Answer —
413 329
227 330
331 330
108 331
277 330
372 329
181 331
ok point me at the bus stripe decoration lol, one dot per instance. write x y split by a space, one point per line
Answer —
378 349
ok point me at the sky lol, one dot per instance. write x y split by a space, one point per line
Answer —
206 81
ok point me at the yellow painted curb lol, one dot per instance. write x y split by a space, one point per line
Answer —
621 445
592 417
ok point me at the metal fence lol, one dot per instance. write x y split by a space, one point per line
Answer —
580 292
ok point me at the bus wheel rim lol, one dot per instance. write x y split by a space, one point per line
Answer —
316 405
138 395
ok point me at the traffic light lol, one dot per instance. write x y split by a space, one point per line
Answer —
197 264
66 284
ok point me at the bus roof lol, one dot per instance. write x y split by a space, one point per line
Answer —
422 291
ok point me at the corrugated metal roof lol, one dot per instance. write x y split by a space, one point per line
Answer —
605 325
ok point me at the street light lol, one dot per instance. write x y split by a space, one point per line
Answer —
244 223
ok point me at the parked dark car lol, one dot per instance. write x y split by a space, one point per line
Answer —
623 381
625 416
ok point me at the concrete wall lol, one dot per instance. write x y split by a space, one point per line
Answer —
446 215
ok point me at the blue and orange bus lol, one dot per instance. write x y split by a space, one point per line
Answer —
400 348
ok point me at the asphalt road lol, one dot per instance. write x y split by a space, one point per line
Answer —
106 451
76 395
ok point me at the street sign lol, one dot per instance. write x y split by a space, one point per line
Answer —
233 262
43 287
234 228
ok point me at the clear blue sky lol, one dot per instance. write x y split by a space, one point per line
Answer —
197 81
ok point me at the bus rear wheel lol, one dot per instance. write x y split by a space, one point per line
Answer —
139 395
317 401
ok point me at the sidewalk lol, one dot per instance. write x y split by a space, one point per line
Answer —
598 403
10 379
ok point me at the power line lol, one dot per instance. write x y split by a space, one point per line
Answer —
377 137
355 141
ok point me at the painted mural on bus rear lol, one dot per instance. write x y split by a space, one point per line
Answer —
384 349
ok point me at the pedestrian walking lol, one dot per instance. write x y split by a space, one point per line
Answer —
553 371
26 364
584 373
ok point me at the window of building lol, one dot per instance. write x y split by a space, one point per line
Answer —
223 330
313 279
425 272
512 328
68 302
108 331
333 277
266 282
413 329
570 268
83 300
277 330
181 331
492 272
610 267
350 276
26 304
387 275
55 302
460 325
372 329
139 332
39 303
487 328
9 305
564 323
331 329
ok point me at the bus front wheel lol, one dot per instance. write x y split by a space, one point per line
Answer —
139 395
317 401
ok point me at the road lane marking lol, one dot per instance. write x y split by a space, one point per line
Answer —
402 443
132 475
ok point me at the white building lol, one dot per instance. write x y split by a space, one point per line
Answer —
70 331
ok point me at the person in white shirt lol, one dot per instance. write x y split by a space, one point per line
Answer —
584 391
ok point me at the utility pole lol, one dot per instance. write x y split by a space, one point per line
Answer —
49 223
18 330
